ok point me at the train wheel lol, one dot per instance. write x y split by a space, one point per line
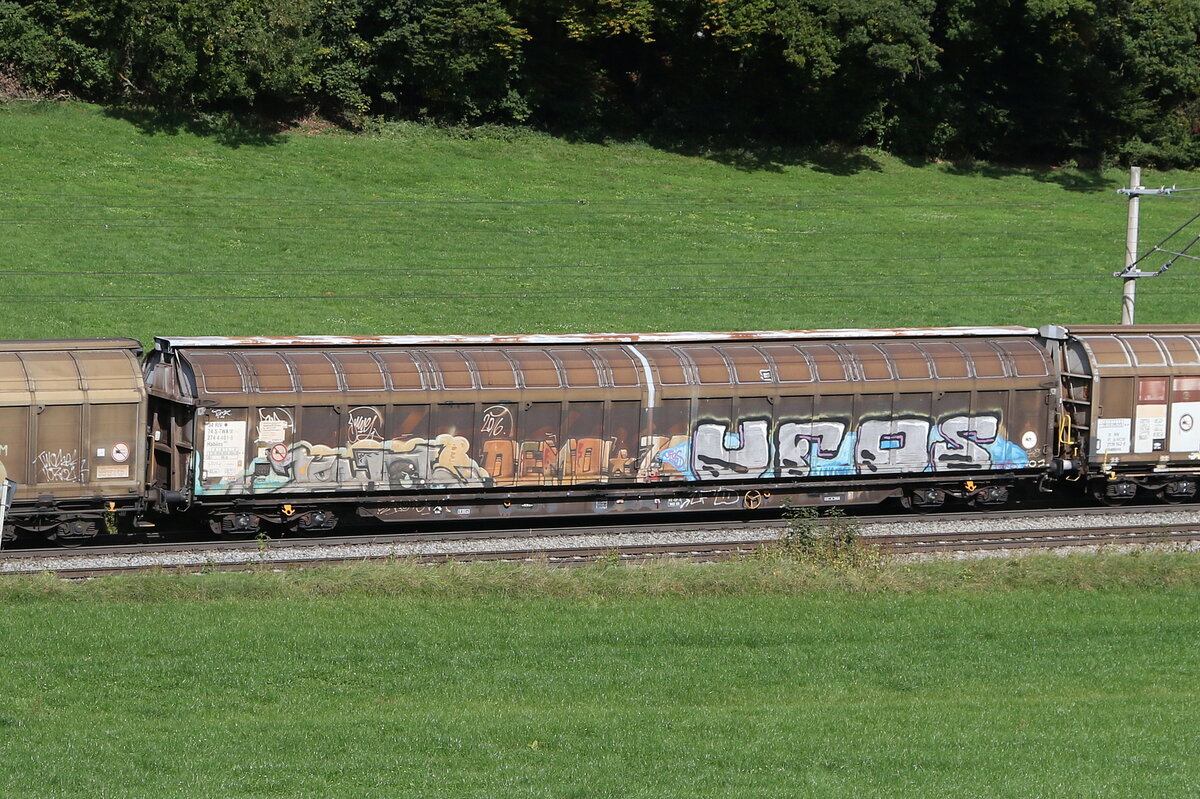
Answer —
1177 491
1113 502
923 500
236 526
1171 499
73 532
1115 494
990 498
313 522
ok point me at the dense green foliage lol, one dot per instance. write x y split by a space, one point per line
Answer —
1045 80
672 681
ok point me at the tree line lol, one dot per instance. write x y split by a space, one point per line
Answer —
1090 81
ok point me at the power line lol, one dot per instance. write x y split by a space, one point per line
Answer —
195 218
672 295
377 270
236 226
890 280
851 201
1160 246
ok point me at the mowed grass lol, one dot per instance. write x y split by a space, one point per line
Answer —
110 227
1035 677
1038 677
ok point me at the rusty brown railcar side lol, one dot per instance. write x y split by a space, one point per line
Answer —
1133 409
72 434
285 430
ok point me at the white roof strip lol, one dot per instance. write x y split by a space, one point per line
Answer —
165 343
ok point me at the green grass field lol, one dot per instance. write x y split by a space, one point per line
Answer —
1036 677
114 228
1039 677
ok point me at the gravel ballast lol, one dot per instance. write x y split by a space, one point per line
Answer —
289 552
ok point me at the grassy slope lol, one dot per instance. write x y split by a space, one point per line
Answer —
607 682
109 228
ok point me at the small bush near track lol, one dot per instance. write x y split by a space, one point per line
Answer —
829 540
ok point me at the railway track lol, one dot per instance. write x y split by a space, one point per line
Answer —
579 545
864 518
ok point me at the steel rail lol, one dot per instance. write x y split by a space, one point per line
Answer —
901 544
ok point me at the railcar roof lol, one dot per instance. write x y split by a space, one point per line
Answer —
1132 330
73 344
167 343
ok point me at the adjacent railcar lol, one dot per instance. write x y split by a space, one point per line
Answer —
1132 409
72 435
299 433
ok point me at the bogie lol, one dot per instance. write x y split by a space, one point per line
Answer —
923 500
1115 493
235 525
74 531
990 497
1177 491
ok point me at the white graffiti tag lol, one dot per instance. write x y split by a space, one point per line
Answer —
364 425
497 420
273 425
59 466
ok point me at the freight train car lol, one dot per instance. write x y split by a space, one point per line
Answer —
72 435
1131 421
299 433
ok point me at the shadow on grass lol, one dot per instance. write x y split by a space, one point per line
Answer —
235 130
1082 180
849 161
844 161
833 160
228 129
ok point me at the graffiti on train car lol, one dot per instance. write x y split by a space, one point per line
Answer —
716 450
60 466
366 464
364 424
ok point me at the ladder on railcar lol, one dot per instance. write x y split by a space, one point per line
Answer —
1077 412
